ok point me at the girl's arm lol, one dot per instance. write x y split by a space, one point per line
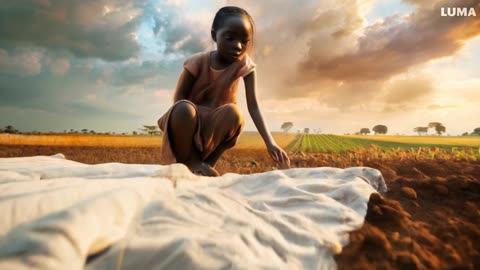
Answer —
274 150
184 86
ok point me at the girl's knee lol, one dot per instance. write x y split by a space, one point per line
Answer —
233 113
184 111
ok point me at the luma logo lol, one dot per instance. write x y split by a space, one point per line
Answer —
458 12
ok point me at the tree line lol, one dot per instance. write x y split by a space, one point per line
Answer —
382 129
146 130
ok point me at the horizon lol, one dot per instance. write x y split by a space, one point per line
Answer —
338 67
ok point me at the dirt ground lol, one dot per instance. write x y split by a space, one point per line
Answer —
429 218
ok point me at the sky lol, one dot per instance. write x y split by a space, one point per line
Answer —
331 66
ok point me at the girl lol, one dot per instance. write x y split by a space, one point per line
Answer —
205 120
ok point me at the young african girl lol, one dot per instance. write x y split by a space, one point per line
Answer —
205 120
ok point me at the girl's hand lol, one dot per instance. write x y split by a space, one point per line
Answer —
278 155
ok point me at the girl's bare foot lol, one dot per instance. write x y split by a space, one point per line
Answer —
202 168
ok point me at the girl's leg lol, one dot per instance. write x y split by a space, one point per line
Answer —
182 126
227 123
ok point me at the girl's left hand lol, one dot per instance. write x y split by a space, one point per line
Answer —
278 155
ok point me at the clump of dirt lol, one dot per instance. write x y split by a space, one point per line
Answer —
438 228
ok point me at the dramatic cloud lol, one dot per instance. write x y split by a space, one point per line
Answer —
59 66
325 52
320 30
398 43
177 29
144 73
86 28
408 91
20 62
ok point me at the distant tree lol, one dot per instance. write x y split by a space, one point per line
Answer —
364 131
380 129
306 130
476 132
84 131
134 133
421 130
439 128
465 134
10 129
286 126
92 131
151 130
433 124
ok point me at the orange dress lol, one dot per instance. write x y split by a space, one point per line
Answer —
219 122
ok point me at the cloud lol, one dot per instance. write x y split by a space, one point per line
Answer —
440 107
145 73
179 30
86 28
324 50
59 66
409 91
319 30
23 62
398 43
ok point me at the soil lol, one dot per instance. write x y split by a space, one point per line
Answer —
428 219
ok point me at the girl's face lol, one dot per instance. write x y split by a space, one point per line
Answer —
233 38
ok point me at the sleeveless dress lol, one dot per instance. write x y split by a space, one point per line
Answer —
217 123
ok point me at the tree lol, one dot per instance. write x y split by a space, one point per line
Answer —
151 130
134 133
421 130
364 131
306 130
439 128
286 126
433 124
476 131
10 129
380 129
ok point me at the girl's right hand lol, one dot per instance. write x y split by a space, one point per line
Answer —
279 155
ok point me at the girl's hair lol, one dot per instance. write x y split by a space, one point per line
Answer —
229 11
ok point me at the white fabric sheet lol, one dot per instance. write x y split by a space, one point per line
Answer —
61 214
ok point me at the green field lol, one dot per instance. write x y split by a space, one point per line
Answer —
312 143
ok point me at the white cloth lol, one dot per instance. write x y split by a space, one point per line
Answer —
56 213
